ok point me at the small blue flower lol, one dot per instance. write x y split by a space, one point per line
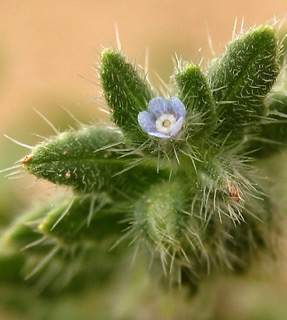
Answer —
164 118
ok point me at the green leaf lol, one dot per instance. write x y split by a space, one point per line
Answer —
83 218
244 75
11 264
24 231
271 136
92 159
125 91
66 221
69 238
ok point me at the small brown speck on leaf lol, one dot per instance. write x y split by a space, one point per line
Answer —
26 159
233 192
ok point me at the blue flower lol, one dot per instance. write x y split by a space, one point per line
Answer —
164 118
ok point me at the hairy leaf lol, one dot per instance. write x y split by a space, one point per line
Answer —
91 159
125 91
197 98
244 75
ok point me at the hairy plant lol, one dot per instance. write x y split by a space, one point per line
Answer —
174 176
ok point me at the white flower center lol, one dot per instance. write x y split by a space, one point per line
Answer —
165 123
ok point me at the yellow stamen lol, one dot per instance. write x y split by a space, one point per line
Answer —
166 123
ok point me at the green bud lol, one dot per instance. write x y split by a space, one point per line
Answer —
159 217
197 98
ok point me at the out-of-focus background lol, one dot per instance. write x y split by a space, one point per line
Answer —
48 51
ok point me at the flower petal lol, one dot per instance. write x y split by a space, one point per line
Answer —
177 107
176 127
159 135
145 121
164 118
158 106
